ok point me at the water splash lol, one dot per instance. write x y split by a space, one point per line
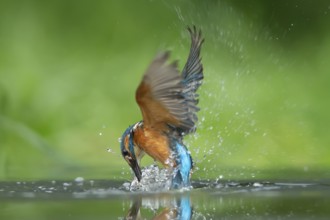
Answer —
153 179
109 150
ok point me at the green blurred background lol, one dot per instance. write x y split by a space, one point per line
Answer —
69 70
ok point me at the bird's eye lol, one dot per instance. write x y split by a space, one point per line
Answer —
125 153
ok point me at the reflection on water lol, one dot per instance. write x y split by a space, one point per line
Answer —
170 207
102 199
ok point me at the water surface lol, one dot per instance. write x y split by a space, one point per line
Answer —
104 199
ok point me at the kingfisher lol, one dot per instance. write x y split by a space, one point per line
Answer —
168 103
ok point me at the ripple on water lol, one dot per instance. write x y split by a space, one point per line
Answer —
154 181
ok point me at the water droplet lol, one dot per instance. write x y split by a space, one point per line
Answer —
67 184
257 184
79 179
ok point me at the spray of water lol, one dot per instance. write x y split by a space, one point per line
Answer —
153 179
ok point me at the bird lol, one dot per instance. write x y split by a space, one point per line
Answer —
168 103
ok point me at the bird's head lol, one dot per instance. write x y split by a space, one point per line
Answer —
128 150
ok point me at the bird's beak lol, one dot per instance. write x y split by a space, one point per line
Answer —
136 168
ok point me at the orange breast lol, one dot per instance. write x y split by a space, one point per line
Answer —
154 144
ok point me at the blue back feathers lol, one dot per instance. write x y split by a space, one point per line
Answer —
184 166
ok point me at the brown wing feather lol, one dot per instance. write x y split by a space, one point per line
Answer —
159 95
168 99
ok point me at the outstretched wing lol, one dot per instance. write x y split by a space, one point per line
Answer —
192 72
168 99
159 95
192 76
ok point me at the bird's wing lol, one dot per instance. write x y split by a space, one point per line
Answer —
192 77
167 98
160 95
194 65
